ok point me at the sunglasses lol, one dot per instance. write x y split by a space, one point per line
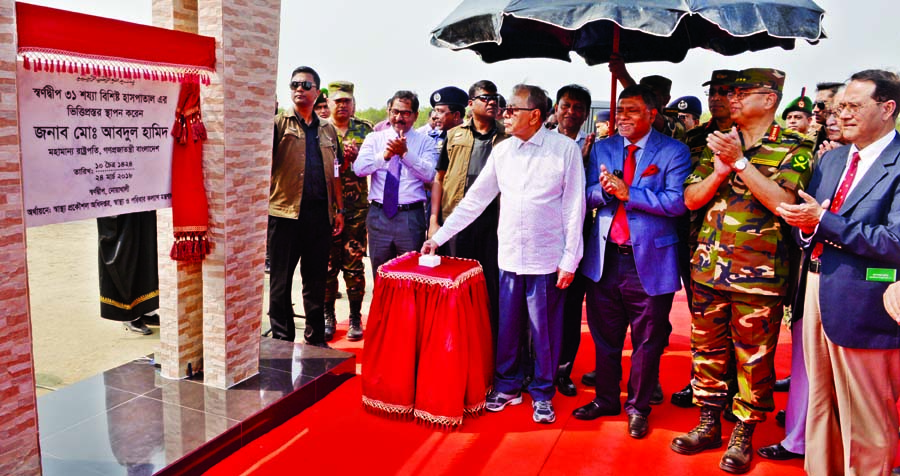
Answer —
820 105
306 85
718 91
488 97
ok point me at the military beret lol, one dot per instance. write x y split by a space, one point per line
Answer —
722 76
802 104
323 95
688 104
340 90
760 78
659 84
450 95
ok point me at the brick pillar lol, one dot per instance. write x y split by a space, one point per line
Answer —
180 284
19 450
237 109
178 15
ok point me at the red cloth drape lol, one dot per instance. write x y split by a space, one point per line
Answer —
97 41
190 211
428 351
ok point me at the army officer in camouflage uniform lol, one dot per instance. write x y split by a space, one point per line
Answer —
740 267
348 248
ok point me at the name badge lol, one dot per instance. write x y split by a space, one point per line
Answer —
883 275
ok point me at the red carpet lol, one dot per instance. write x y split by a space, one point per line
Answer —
336 436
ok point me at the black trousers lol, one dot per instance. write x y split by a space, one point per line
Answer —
305 240
572 315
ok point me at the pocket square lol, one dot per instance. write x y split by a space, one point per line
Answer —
651 170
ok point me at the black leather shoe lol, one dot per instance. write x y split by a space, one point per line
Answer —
322 345
777 452
657 397
150 319
684 398
780 418
638 425
137 326
590 378
565 386
783 385
593 410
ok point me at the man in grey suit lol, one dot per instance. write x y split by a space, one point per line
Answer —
849 225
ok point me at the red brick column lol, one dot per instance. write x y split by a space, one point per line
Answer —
180 284
19 450
238 112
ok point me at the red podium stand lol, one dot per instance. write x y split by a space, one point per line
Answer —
428 351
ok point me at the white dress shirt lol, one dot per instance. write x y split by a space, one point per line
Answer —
579 138
417 165
541 187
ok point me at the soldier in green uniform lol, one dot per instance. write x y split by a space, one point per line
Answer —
798 115
348 248
740 268
689 227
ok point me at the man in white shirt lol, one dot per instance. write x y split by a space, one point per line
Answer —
401 161
540 179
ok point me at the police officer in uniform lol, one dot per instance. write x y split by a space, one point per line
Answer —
740 269
348 248
688 110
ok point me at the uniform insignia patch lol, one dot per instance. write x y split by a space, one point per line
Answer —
800 162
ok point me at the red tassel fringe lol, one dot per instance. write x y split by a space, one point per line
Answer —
190 247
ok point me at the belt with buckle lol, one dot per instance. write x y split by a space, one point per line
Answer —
621 249
815 266
402 208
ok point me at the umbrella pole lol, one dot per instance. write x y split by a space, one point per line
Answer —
615 82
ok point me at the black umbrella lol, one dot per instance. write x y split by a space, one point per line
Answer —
638 30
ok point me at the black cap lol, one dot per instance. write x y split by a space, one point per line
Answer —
722 76
450 95
659 84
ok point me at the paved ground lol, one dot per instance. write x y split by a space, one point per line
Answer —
71 341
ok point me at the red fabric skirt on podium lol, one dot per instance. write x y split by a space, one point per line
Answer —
428 351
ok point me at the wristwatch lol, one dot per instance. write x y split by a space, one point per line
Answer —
341 211
740 164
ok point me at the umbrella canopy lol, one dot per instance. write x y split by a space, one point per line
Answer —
650 30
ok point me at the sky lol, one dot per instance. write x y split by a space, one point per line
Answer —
384 46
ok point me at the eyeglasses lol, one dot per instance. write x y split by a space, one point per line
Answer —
306 85
509 111
403 114
741 95
718 91
852 108
486 98
820 106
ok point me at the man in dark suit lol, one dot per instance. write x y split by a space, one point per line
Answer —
849 224
631 256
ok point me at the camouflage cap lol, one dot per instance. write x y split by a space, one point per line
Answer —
722 76
760 78
659 84
340 90
803 104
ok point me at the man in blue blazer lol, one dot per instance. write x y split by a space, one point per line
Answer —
631 257
849 224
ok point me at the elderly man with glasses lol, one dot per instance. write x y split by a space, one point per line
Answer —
740 268
305 209
540 178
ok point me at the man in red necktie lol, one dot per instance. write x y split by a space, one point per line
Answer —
850 224
631 258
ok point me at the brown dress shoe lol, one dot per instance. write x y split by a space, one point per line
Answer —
739 454
706 435
638 425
